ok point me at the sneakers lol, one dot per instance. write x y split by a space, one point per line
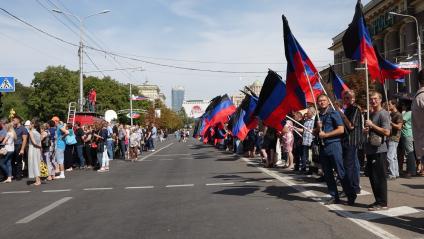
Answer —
62 176
68 170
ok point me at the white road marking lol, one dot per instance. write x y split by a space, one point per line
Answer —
15 192
157 151
180 185
363 193
267 180
166 159
164 155
56 191
249 182
369 226
43 210
146 160
140 187
319 185
217 184
392 212
96 189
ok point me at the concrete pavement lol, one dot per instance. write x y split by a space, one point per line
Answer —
193 191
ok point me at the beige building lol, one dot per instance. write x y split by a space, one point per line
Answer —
394 36
151 91
238 97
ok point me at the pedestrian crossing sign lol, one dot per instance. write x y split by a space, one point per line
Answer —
7 84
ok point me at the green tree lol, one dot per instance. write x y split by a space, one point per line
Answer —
18 101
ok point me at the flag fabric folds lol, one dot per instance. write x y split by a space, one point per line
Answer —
298 63
218 111
357 43
243 119
275 102
389 71
338 85
317 90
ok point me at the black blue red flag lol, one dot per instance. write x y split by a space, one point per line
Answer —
244 119
218 111
357 43
300 68
390 71
275 101
338 85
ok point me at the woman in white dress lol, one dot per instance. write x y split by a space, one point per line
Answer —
34 152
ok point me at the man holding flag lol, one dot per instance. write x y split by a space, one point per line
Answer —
330 130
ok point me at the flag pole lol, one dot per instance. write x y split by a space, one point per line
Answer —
297 122
312 92
385 94
368 89
131 106
323 89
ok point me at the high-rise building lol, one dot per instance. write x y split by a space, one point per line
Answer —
177 98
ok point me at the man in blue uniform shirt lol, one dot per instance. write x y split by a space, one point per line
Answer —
330 129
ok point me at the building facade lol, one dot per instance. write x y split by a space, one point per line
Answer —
151 91
394 36
238 97
195 108
177 98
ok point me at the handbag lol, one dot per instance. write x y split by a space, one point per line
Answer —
44 172
375 140
70 139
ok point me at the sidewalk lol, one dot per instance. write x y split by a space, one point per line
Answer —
404 219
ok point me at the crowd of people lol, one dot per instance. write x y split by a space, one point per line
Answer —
341 140
45 151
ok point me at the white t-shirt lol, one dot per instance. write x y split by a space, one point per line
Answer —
10 142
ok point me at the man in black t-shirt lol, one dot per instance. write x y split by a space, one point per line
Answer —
352 138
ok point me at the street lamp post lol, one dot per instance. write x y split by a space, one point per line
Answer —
81 49
418 35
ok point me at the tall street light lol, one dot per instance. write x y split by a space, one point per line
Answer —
418 35
81 49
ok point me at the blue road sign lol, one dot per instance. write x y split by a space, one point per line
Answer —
7 84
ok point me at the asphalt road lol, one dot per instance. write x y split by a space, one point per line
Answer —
183 190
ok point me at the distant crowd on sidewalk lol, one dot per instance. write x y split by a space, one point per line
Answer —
45 151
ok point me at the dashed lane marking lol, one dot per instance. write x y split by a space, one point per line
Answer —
165 159
140 187
218 184
369 226
157 151
96 189
16 192
56 191
179 185
43 210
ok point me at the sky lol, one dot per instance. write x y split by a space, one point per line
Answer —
222 35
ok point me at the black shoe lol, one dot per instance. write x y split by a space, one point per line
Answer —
342 195
332 201
351 200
